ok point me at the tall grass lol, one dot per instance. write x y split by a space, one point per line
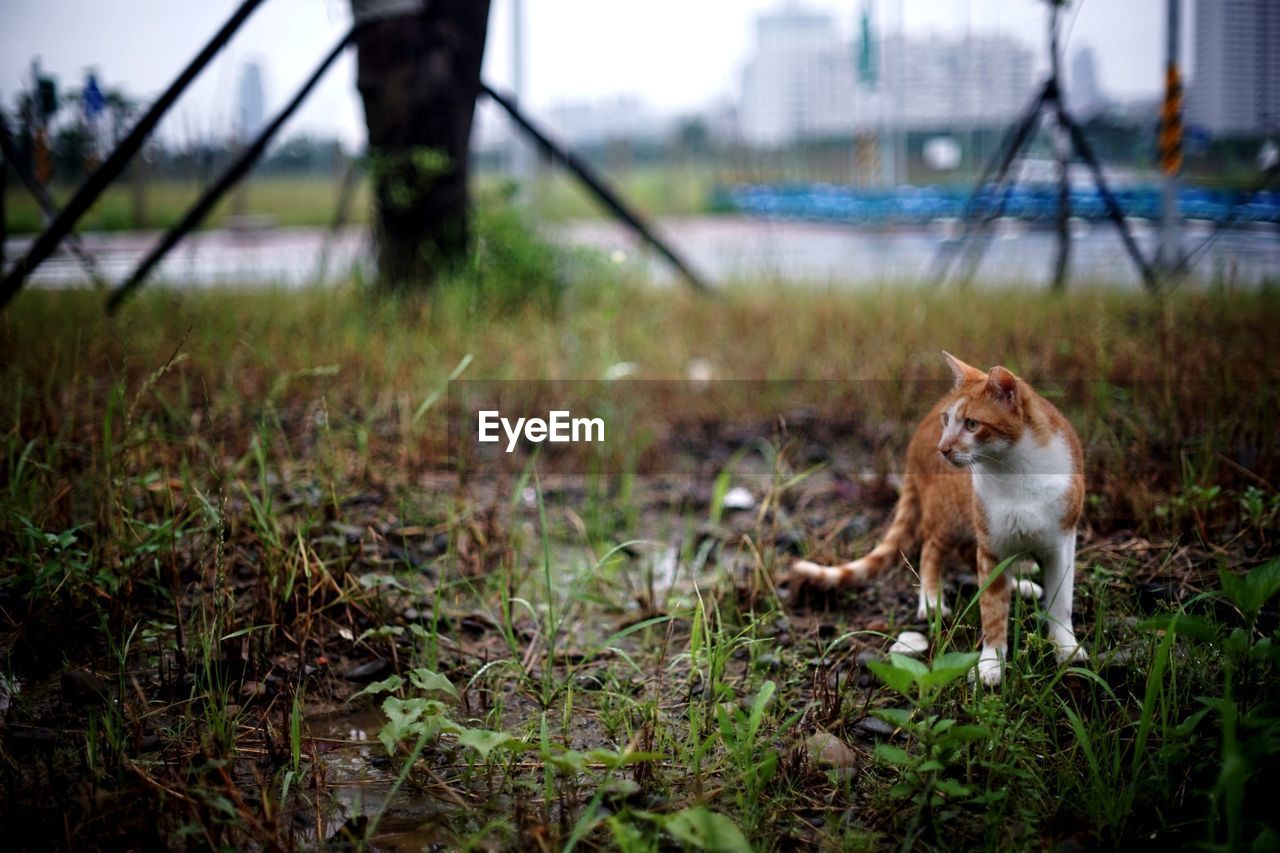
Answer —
226 499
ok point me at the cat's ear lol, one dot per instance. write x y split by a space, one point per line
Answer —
1003 387
963 372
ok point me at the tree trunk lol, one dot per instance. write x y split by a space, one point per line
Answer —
419 76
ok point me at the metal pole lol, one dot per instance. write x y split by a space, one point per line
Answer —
521 161
46 204
1170 255
1114 211
226 181
1062 149
114 165
4 191
999 166
607 196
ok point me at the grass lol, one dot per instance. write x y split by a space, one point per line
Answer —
247 600
289 201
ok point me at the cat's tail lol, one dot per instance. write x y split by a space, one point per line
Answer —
899 538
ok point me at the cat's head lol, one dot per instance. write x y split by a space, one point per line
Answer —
984 414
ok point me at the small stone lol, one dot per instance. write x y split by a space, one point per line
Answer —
910 643
789 541
590 681
867 657
827 749
738 498
84 688
768 662
876 728
370 670
437 546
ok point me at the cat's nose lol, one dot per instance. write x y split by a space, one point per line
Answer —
945 451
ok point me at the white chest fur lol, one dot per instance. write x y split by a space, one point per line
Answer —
1023 494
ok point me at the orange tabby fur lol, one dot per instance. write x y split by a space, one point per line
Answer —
1003 476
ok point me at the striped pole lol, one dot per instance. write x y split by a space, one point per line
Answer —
1171 123
1170 145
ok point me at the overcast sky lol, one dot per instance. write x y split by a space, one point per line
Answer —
677 54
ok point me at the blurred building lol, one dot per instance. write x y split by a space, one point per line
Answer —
1236 90
802 82
975 81
1084 92
251 101
605 120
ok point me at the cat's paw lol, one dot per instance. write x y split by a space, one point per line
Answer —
989 668
930 605
1068 650
1029 589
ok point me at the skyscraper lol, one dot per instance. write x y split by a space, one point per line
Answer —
1084 93
800 83
251 108
1236 88
803 81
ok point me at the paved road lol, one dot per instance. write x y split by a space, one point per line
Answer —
723 248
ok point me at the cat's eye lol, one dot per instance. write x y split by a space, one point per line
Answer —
970 424
945 418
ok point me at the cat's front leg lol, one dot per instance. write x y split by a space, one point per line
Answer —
994 606
931 600
1059 564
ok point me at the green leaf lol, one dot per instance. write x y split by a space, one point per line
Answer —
902 790
485 742
418 716
899 679
613 760
703 829
381 633
767 767
893 754
952 788
949 667
900 717
1195 628
757 709
389 684
567 761
1252 590
917 669
969 732
425 679
1187 726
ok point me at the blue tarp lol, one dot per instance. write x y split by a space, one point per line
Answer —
910 205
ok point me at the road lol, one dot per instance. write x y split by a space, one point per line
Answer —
725 249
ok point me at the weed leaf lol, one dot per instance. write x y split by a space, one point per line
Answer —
706 830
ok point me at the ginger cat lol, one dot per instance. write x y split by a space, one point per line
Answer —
995 466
